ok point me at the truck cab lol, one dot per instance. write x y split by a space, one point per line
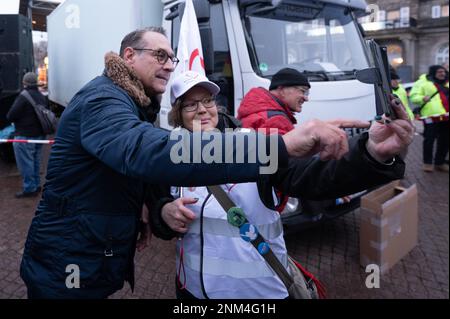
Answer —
245 42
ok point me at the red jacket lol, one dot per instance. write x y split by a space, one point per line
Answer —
261 109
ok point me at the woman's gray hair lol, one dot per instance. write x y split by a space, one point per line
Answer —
174 117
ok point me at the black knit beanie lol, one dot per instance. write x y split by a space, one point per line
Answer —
288 77
394 74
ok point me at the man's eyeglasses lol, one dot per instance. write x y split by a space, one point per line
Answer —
161 56
192 106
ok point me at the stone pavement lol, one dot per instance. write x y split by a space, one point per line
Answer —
330 251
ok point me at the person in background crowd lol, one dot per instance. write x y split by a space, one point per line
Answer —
276 107
27 126
431 93
400 92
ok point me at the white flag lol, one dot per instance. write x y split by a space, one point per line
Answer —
190 51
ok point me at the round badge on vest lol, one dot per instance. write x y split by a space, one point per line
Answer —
263 248
236 216
248 232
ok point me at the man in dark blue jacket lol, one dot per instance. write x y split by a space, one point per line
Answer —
107 152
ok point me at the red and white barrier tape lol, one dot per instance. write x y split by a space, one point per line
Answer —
434 118
27 141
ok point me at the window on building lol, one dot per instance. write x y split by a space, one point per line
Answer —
381 15
395 54
404 13
436 12
404 17
444 11
393 15
442 54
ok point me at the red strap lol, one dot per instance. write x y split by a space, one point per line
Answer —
443 96
320 286
181 285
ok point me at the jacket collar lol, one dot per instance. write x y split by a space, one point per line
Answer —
124 76
283 105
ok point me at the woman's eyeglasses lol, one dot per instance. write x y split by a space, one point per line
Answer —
192 106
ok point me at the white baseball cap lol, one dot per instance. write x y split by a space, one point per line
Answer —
187 80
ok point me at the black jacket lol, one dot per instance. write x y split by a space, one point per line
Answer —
310 179
314 179
24 117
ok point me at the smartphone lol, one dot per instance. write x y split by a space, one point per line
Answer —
379 75
384 88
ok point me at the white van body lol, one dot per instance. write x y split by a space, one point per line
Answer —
341 96
80 32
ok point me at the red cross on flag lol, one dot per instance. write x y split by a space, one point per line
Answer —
190 51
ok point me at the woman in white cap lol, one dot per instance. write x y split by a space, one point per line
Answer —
215 256
186 92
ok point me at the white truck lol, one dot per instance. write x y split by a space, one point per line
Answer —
245 42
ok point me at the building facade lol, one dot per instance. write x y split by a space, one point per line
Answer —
416 33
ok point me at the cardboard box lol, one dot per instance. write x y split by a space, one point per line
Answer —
389 222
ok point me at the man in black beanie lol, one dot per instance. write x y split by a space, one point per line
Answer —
275 108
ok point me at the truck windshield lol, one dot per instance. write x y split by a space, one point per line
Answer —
319 39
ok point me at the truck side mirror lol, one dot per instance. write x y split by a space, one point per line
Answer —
369 76
208 47
202 10
203 13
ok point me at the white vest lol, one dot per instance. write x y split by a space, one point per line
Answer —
232 267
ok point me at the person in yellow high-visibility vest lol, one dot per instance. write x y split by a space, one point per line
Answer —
431 92
400 92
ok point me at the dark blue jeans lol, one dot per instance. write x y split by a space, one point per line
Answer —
28 158
435 132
